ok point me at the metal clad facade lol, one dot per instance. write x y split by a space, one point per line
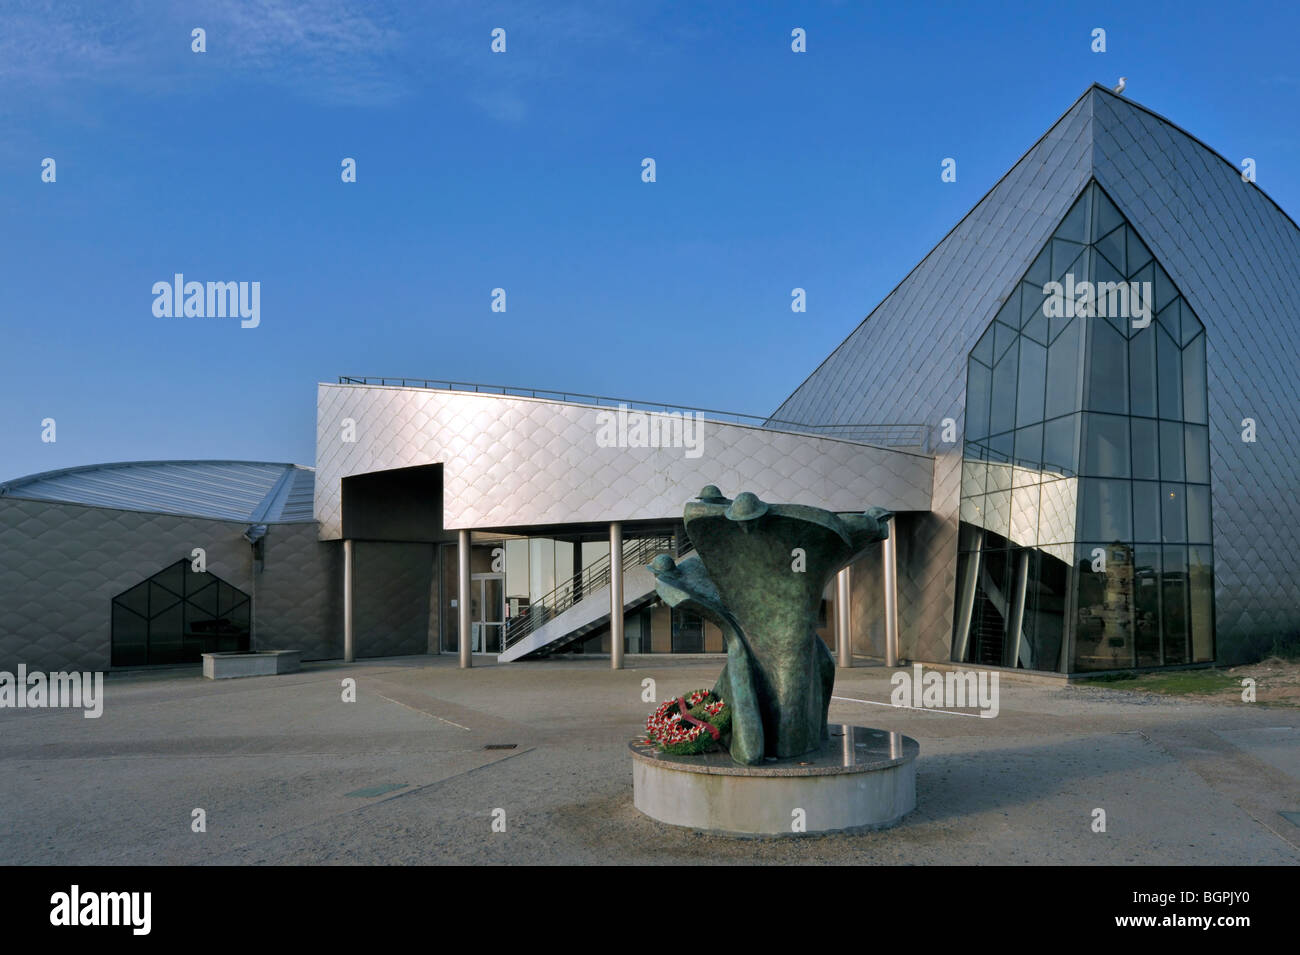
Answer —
512 461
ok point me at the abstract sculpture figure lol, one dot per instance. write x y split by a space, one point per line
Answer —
760 575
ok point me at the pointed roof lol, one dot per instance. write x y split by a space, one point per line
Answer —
1224 242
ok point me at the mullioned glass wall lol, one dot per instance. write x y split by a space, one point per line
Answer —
1085 540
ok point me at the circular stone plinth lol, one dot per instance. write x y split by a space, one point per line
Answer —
862 779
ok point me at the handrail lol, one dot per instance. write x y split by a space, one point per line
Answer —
890 435
593 577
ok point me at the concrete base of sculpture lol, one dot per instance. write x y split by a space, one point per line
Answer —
224 666
863 779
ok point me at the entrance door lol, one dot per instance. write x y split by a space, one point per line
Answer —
487 612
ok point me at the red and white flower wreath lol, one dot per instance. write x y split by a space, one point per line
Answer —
692 723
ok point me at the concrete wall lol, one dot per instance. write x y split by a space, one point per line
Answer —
61 565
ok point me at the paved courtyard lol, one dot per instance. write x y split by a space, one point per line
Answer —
288 773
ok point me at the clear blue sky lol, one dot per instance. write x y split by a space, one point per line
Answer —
522 170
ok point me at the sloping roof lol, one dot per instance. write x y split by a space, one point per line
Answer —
1231 251
1182 196
254 491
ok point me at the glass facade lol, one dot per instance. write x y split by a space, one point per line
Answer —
177 615
1085 539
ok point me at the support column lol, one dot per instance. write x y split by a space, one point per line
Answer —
616 596
349 636
890 556
464 622
843 620
1017 622
966 609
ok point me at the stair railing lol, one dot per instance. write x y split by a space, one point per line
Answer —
595 576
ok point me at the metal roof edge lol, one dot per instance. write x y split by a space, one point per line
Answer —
946 236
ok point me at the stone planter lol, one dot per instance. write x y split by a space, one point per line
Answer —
225 666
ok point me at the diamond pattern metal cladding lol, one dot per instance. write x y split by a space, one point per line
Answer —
511 461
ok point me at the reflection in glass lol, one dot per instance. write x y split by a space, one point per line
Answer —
1146 604
1200 580
1064 361
1142 372
1146 449
1198 513
1033 370
973 476
1108 370
1197 453
1105 510
1171 451
1085 488
1169 377
1107 445
1173 604
1146 512
1029 446
997 517
1024 516
1002 411
1103 637
1173 514
1060 444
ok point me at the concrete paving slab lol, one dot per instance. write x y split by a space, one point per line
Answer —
273 761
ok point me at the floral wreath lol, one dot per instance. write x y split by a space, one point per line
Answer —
692 723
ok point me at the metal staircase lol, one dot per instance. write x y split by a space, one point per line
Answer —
572 610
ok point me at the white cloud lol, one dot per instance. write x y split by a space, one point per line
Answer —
331 51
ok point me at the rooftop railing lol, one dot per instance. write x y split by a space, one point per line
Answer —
915 436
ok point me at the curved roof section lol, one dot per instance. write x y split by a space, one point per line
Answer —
254 491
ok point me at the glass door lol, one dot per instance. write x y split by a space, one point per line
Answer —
488 612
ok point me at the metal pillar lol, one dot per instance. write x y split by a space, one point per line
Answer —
890 556
465 624
616 596
843 621
1018 608
349 636
966 610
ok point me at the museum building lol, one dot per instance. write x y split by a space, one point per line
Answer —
1078 405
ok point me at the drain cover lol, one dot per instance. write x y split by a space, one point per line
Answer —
372 791
501 746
